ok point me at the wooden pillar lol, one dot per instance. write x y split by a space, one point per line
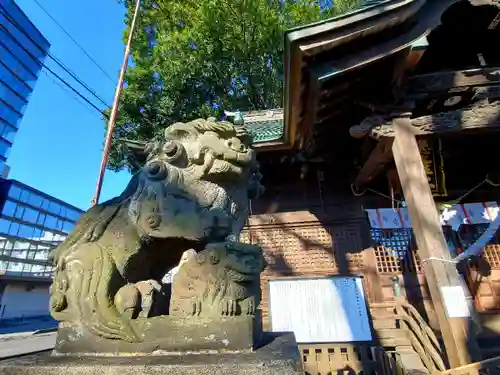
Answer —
442 277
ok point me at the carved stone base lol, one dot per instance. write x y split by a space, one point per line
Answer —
279 357
166 334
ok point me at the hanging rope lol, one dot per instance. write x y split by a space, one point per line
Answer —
392 199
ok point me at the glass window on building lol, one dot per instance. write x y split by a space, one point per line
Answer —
15 192
42 253
15 267
51 222
4 146
7 131
13 81
14 228
37 234
54 208
68 226
20 26
45 204
60 224
19 212
58 237
31 254
73 215
41 219
27 268
9 114
4 226
35 200
15 59
37 269
20 250
25 196
11 97
30 215
9 208
47 236
25 231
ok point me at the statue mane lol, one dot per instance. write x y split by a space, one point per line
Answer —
102 213
223 128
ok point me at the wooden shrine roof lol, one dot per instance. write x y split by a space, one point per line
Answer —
340 71
346 77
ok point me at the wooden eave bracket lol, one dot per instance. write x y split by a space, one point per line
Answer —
379 158
483 117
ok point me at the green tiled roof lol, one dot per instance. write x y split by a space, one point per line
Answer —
265 131
264 126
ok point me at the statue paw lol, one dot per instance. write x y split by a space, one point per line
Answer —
117 328
196 306
139 299
149 291
249 306
128 301
229 307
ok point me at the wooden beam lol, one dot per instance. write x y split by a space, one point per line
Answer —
442 277
485 117
444 81
376 162
311 112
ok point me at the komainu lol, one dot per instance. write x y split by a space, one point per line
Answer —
192 190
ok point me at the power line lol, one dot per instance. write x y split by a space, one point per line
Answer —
65 89
74 41
57 61
75 77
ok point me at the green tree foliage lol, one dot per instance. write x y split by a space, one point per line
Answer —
190 58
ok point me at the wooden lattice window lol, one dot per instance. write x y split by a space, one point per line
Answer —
395 251
316 249
492 255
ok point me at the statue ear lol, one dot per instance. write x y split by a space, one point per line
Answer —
137 151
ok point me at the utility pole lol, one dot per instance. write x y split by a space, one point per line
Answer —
114 108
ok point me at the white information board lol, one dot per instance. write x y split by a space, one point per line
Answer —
320 310
455 301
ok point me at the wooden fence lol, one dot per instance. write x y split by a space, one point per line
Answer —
349 359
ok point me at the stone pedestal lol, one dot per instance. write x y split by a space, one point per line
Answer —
279 355
166 334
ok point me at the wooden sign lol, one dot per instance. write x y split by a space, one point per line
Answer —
432 157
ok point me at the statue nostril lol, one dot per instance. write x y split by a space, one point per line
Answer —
170 149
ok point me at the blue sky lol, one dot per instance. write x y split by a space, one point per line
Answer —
59 144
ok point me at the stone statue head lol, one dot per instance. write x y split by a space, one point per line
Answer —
196 182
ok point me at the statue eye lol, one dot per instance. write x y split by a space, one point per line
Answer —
236 144
156 170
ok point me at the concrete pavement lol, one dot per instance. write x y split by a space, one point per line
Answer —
24 343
